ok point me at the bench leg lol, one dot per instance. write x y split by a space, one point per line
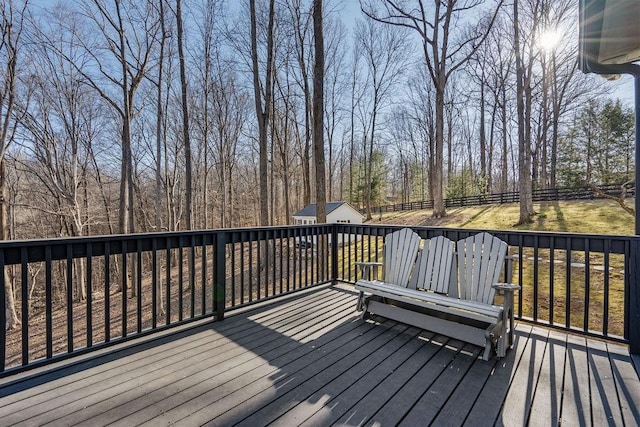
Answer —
512 327
360 304
363 306
508 321
501 349
488 344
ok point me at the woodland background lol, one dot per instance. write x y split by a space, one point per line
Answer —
129 116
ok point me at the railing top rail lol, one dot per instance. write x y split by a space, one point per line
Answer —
129 243
543 239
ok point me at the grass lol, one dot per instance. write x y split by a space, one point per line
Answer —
588 216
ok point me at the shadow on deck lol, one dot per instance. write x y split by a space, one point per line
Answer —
309 360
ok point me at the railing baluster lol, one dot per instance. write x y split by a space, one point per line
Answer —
24 278
124 292
242 234
192 274
288 240
233 274
349 276
154 282
605 303
250 268
628 282
275 246
520 262
535 278
180 279
69 298
107 293
298 253
219 275
552 267
567 295
48 301
167 298
632 294
259 261
138 275
272 262
203 270
3 314
587 285
89 284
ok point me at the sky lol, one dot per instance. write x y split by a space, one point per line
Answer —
349 10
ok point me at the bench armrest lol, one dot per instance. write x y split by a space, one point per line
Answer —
506 286
368 263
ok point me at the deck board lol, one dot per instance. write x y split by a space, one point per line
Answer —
575 402
489 401
310 360
548 397
605 410
517 404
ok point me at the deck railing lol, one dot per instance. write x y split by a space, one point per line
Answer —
69 292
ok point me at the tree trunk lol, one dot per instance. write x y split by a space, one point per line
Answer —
159 141
318 116
483 141
438 167
185 121
524 144
504 182
12 320
262 113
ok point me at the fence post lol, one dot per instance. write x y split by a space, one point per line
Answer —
219 274
634 297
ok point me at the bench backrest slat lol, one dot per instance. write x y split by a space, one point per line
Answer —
480 259
400 250
434 265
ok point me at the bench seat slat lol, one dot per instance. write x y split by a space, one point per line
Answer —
466 309
372 286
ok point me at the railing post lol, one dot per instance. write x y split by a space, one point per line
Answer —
634 297
334 253
219 274
3 314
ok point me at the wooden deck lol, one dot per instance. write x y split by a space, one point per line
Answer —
309 360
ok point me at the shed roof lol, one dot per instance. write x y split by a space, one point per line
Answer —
310 210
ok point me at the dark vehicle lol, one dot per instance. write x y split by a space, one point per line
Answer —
304 244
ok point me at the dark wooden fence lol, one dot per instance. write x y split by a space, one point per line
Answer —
540 195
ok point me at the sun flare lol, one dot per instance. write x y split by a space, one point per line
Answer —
549 39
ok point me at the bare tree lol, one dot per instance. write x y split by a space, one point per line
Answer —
11 27
335 90
318 113
385 52
60 125
523 96
160 134
446 47
263 101
185 120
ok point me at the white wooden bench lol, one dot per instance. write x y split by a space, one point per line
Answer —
450 291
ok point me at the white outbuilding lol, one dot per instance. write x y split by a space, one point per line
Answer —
337 212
